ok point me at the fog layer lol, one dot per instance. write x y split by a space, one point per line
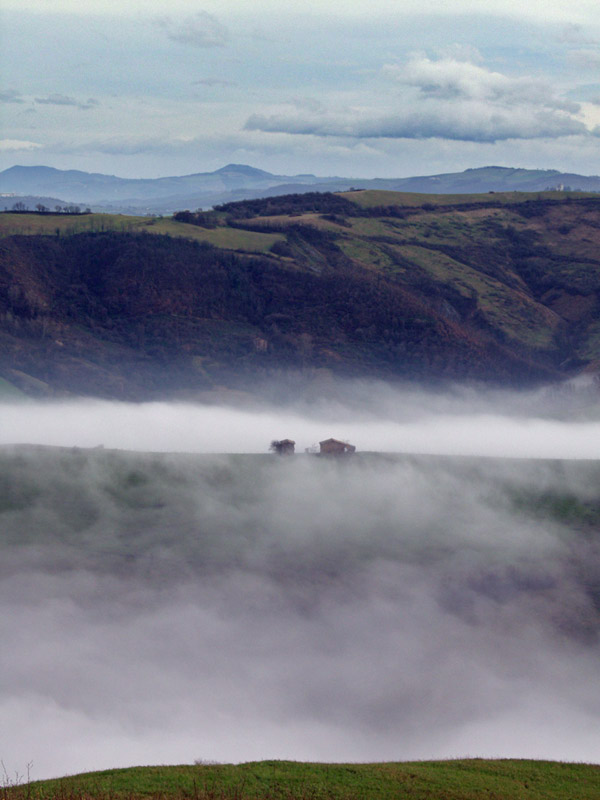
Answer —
559 423
165 608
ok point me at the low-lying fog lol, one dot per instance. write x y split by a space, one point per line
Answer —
162 608
547 423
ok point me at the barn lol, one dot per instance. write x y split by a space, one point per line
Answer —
335 447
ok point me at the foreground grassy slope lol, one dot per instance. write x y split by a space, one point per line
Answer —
470 779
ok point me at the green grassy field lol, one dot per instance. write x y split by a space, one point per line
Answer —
69 224
369 198
469 779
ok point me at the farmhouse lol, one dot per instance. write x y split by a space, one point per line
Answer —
334 447
283 447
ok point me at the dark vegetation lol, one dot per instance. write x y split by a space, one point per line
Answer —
93 309
203 220
499 288
322 202
287 780
22 208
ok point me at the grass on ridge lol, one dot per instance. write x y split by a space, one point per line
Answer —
468 779
71 224
367 198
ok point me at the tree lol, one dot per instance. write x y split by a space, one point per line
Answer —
19 206
41 208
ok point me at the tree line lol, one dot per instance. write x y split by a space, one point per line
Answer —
21 208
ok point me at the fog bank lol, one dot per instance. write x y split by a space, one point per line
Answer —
165 608
559 423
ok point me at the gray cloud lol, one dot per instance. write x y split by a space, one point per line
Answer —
466 122
448 99
11 96
575 34
213 82
199 30
65 100
588 57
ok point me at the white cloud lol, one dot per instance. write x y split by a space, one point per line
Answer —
446 99
451 78
17 144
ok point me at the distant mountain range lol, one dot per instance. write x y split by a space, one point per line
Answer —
240 182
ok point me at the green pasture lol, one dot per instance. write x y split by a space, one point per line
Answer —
467 779
368 198
70 224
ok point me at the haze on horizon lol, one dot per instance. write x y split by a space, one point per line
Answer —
361 89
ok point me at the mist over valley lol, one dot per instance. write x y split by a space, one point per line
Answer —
185 604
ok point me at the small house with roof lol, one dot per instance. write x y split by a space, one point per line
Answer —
335 447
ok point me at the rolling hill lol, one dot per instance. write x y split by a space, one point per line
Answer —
422 780
497 287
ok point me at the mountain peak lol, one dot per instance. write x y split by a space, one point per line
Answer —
243 169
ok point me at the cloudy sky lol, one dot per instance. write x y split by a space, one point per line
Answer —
378 88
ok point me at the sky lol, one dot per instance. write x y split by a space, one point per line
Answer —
360 89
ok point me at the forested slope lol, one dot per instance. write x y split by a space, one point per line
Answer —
501 288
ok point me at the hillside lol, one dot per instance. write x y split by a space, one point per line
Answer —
279 780
236 182
497 287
